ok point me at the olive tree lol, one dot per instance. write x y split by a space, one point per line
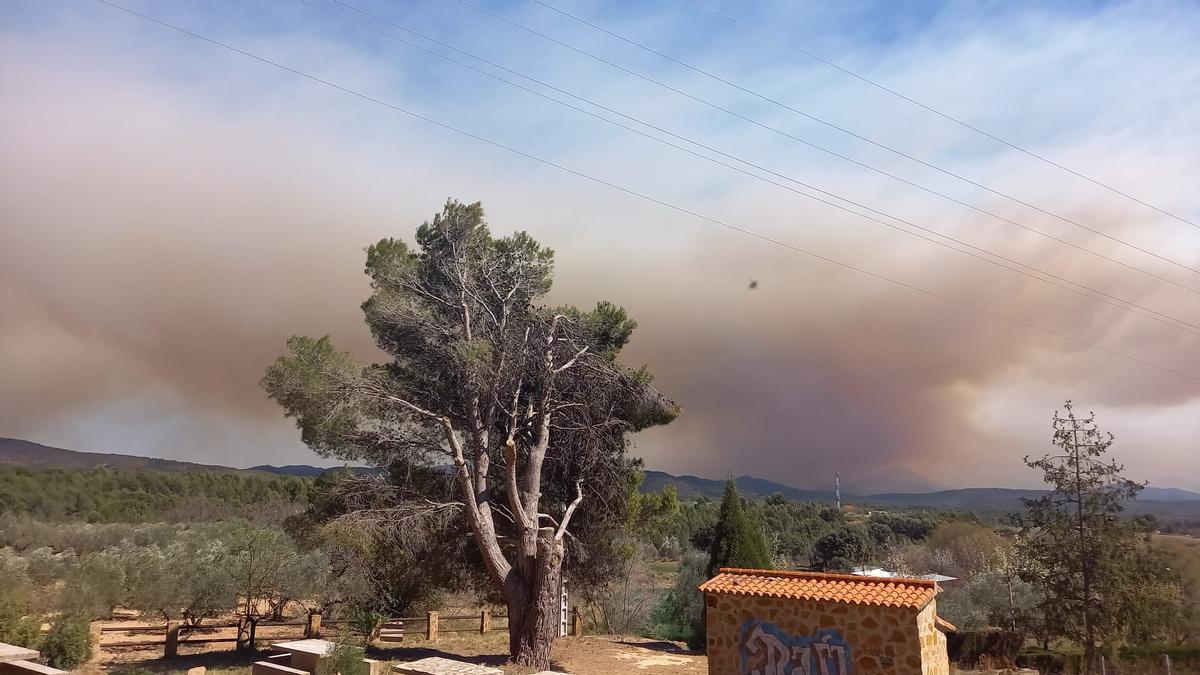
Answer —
521 408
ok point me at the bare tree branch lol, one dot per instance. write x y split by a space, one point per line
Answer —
566 519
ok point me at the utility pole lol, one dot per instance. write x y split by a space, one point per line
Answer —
837 491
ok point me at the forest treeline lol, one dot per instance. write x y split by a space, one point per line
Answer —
106 495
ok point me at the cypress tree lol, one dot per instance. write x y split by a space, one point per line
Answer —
739 540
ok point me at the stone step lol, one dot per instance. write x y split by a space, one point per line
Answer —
436 665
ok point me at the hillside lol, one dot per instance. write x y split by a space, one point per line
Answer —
32 455
37 456
1165 503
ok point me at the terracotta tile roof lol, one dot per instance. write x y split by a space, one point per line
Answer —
883 591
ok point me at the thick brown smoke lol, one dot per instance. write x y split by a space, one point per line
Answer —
156 253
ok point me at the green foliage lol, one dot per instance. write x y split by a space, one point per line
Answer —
843 549
527 402
191 579
344 658
1099 578
652 515
366 621
111 496
311 381
68 643
267 567
376 561
679 614
16 597
16 626
913 526
985 601
190 572
738 540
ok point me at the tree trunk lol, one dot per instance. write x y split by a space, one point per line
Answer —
533 610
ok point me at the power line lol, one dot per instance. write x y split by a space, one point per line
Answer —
846 131
935 111
1125 305
646 197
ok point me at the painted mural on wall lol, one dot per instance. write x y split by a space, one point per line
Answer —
767 649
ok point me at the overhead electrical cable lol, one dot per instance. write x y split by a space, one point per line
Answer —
649 198
844 157
1074 287
849 132
947 116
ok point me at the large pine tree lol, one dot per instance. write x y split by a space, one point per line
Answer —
739 539
526 404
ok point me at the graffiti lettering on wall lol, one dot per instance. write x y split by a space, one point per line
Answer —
768 650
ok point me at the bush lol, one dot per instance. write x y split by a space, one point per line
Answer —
969 648
68 643
344 658
15 627
366 622
679 614
843 549
626 601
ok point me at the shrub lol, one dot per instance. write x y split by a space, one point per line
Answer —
971 648
344 658
68 643
366 621
679 614
15 627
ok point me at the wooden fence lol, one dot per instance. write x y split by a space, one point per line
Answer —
173 634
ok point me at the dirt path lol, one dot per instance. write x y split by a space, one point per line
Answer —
603 655
579 656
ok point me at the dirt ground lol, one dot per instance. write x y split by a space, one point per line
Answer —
582 656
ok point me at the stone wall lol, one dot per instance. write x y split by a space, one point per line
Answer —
933 643
764 635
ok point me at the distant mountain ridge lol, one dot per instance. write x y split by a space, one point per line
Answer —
998 499
306 470
1166 501
37 456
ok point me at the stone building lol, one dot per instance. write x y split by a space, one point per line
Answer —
765 622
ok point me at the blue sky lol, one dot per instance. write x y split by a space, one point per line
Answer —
172 212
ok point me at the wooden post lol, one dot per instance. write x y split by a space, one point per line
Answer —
1167 663
95 633
485 621
313 628
171 647
576 622
431 626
